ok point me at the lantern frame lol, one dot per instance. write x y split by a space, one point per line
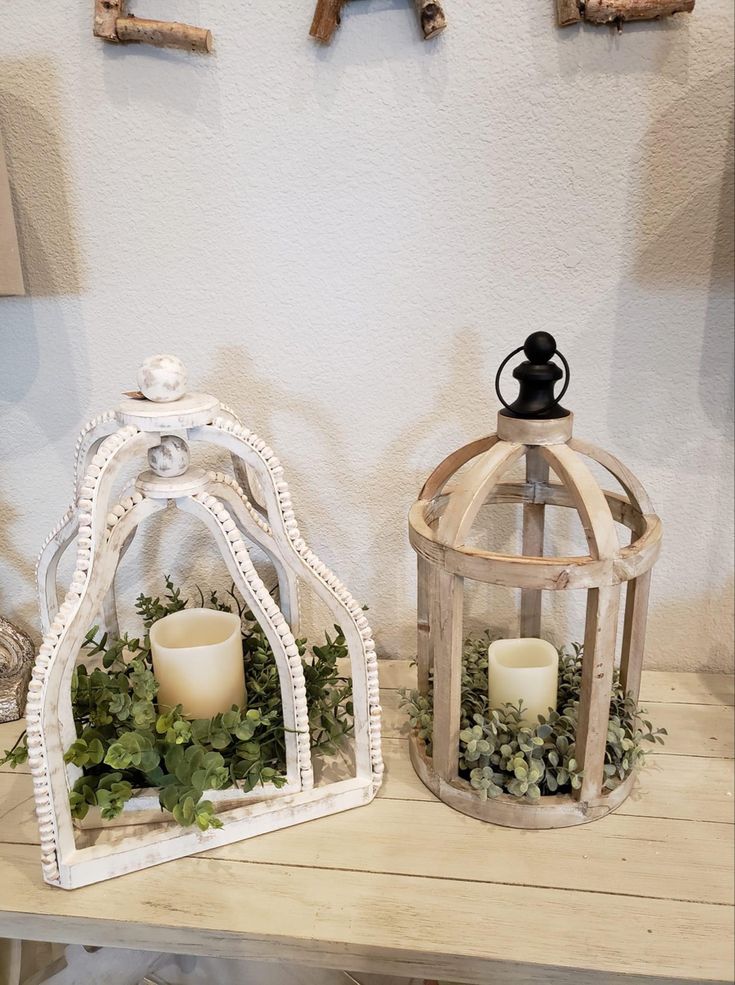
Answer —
438 526
102 527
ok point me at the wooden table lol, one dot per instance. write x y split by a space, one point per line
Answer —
410 887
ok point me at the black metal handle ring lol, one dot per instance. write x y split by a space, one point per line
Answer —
557 399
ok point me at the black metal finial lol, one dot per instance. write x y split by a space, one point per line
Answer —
537 377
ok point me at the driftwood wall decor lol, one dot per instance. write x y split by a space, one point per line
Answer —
327 18
617 11
112 22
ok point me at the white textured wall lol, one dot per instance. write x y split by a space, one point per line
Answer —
343 242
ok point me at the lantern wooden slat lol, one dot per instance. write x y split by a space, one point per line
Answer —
537 473
631 486
601 625
446 630
473 489
439 524
588 498
634 633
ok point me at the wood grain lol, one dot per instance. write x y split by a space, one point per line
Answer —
634 633
694 730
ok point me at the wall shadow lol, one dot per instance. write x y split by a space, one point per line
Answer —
37 166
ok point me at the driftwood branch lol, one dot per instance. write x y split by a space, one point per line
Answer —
431 17
106 13
568 12
164 34
112 22
327 17
617 11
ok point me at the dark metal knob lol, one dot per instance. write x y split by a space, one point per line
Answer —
537 378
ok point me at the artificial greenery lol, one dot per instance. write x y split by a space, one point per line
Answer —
124 742
498 753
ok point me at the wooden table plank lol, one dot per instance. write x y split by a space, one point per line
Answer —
708 781
656 686
623 854
353 891
398 924
626 855
692 689
694 730
689 788
674 787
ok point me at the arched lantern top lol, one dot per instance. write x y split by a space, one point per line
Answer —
537 428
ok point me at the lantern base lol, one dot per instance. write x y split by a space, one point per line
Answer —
553 811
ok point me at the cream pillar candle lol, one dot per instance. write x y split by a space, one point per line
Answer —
197 661
526 669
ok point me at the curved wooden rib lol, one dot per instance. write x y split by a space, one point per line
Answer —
128 444
547 573
473 489
109 604
245 474
452 463
633 489
234 496
90 438
47 565
290 671
589 499
110 620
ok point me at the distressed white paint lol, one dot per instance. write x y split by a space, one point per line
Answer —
170 458
342 243
104 530
162 378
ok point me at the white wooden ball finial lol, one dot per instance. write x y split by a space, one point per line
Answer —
162 378
170 458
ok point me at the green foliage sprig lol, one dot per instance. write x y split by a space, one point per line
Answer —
124 742
500 754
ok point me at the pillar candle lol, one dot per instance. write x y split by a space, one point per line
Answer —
527 670
197 661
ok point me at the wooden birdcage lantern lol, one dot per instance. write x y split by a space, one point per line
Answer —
248 505
537 428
